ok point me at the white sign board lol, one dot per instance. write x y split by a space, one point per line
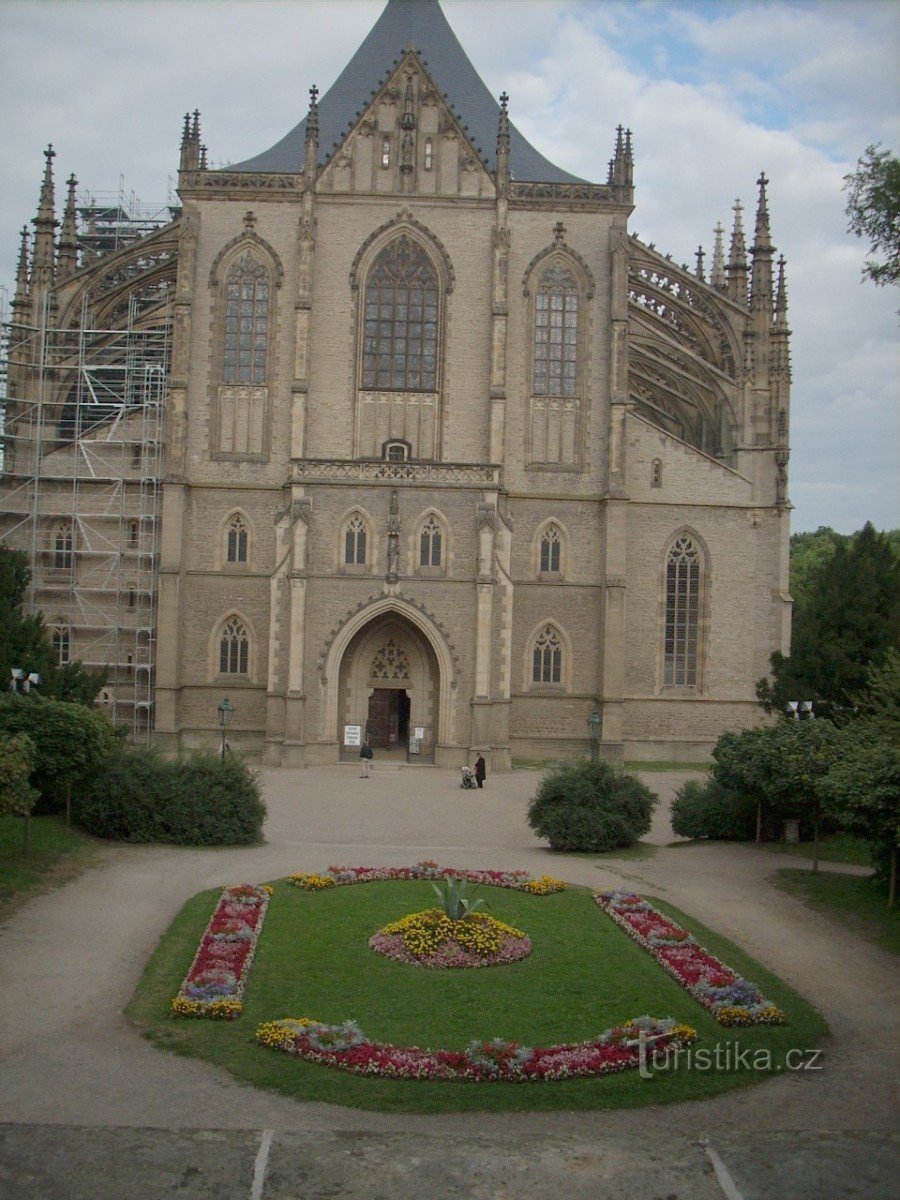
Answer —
419 733
353 735
414 745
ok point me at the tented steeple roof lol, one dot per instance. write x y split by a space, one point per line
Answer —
423 23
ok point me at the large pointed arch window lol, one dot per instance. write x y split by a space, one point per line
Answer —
236 541
245 346
546 658
681 647
234 648
556 333
400 340
355 539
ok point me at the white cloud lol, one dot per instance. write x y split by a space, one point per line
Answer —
714 93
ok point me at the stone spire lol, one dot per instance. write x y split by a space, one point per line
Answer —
699 270
621 168
190 143
312 134
20 298
67 255
503 145
717 275
737 258
781 354
762 251
781 295
43 266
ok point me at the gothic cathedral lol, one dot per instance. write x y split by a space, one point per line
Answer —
395 431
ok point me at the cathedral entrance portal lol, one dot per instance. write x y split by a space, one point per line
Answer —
389 688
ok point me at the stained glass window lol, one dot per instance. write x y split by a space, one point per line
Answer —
550 549
556 334
246 322
401 316
682 614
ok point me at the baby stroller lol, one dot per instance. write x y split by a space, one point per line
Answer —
468 777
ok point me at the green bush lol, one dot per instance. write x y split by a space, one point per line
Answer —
707 810
199 800
590 806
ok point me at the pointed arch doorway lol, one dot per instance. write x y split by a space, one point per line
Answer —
389 684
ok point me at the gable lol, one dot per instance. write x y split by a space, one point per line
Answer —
407 141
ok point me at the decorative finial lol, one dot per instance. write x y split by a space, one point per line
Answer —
249 219
559 233
700 258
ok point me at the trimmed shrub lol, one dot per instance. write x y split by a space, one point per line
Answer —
707 810
199 800
590 806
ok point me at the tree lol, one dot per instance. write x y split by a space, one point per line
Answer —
873 211
70 742
845 623
24 642
17 796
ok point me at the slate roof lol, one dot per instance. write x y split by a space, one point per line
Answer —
423 23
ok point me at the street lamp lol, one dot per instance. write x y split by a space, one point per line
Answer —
226 708
21 681
594 722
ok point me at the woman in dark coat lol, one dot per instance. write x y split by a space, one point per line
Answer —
480 770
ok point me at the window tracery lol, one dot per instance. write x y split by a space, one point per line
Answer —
234 648
556 333
547 657
64 547
236 541
551 550
682 621
355 541
390 662
401 320
430 544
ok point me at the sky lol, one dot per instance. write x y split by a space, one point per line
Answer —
714 91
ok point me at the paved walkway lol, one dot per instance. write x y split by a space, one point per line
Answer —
70 959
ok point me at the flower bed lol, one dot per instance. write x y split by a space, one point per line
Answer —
214 985
733 1001
432 939
520 881
347 1048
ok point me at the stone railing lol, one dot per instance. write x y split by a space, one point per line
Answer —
328 470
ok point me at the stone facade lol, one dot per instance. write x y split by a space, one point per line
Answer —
463 519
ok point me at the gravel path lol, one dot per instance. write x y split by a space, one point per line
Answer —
70 959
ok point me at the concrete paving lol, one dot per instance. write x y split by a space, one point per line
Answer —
89 1108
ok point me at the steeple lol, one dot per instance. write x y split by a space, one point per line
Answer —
44 226
737 258
700 257
67 255
621 168
762 251
312 134
717 274
190 143
20 298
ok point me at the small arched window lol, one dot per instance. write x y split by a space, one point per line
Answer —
63 547
355 542
556 334
246 322
547 657
131 596
134 532
401 319
234 648
236 541
396 451
386 152
430 544
61 645
551 546
656 473
429 154
681 638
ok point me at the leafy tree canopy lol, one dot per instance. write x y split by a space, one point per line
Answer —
846 618
873 211
24 642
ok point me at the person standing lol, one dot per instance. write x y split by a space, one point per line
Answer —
480 770
366 756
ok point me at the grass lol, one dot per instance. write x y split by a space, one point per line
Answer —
837 847
583 976
856 902
57 854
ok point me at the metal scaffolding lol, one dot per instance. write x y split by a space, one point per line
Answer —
81 414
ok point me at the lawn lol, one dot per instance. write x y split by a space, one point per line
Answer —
584 975
57 854
856 902
836 847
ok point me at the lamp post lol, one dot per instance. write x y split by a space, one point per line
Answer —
226 708
594 722
22 681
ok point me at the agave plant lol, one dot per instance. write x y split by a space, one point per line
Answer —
454 901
